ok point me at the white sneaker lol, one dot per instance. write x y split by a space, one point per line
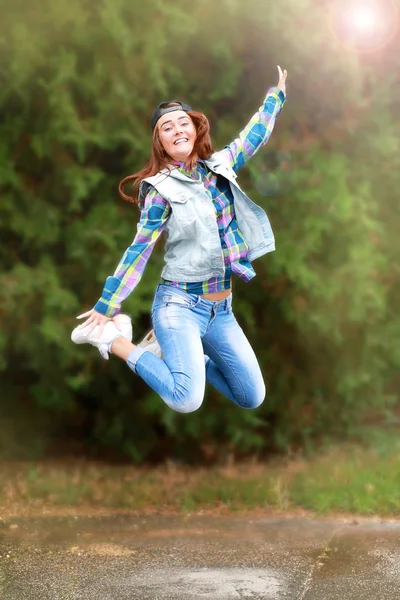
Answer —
110 332
124 323
150 343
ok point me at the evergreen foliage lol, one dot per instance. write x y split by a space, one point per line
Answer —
79 80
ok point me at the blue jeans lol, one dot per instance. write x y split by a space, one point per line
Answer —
188 327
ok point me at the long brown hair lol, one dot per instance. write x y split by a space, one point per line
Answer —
159 159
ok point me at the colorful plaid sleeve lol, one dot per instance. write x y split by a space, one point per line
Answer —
154 216
257 132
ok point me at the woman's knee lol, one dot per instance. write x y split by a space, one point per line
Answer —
186 403
187 396
254 397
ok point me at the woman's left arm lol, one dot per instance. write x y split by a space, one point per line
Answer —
258 130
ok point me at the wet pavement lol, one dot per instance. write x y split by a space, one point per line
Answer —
125 557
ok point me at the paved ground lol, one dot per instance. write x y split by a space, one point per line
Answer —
198 558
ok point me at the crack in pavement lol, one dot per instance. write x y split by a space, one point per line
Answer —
319 562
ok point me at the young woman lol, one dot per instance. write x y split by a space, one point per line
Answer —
213 230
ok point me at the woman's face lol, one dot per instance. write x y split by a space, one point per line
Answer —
177 134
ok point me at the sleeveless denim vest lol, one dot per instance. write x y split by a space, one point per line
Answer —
193 249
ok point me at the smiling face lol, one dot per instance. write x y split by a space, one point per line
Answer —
177 134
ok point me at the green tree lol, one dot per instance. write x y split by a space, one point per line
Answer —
79 81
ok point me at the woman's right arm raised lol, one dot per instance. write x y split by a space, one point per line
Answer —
128 273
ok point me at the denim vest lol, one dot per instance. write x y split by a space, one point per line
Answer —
193 249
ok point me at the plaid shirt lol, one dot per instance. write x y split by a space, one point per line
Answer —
156 211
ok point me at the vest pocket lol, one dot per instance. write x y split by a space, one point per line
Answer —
183 208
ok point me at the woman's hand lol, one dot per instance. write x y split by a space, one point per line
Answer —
282 80
94 319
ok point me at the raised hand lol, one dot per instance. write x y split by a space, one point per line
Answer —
282 80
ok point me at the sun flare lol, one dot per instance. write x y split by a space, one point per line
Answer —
364 26
362 18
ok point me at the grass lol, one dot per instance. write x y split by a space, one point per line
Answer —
344 479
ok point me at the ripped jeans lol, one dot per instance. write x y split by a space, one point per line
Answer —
200 340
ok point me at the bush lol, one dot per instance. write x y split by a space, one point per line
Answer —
78 87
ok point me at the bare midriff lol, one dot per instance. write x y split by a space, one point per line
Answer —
216 296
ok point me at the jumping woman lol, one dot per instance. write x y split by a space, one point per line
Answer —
212 231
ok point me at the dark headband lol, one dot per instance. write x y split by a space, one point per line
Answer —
163 108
